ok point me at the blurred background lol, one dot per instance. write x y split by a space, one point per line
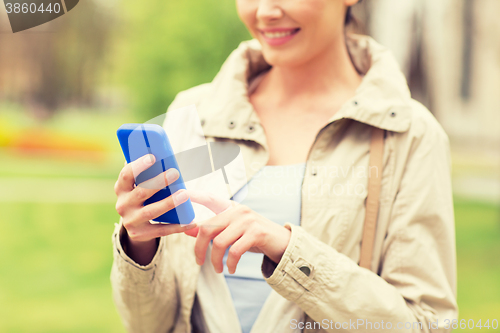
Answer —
66 86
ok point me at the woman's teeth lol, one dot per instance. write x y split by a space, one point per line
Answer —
277 34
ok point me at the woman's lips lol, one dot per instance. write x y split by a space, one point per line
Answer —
276 37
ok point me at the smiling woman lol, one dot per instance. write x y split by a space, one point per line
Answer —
295 32
302 95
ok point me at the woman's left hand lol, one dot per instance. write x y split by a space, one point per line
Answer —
237 226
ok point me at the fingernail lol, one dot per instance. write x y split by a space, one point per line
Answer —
149 159
198 261
171 175
180 197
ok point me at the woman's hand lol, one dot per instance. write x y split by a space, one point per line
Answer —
140 239
237 226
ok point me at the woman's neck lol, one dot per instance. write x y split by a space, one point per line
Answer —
327 74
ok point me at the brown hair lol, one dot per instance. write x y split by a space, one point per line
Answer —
349 17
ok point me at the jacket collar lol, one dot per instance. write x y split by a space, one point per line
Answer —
382 99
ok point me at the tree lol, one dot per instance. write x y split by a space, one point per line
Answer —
169 46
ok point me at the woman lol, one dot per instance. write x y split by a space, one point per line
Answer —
304 96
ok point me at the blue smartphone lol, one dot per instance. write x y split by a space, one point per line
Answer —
137 140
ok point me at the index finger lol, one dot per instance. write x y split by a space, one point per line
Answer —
208 199
216 204
126 180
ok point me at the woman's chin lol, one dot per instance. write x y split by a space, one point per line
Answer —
283 57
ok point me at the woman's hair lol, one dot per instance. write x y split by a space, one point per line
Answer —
349 17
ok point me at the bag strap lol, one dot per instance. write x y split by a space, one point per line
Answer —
372 199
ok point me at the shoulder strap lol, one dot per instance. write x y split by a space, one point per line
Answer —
372 200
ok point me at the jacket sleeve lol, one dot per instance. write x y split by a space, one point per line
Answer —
417 273
145 296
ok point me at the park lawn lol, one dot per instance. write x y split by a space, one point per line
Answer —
56 260
54 274
478 256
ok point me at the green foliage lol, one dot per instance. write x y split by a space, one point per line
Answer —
170 46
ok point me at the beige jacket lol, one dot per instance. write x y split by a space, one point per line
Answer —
413 271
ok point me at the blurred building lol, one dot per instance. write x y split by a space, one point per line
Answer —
450 52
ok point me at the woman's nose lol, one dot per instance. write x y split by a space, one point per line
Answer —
269 10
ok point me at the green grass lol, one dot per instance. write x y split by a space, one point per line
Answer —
478 253
55 265
55 258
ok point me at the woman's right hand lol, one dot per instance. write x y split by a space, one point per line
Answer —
139 240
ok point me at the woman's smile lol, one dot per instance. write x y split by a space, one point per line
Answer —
278 36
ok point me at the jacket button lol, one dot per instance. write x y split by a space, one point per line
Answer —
202 122
393 114
306 270
251 128
231 124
